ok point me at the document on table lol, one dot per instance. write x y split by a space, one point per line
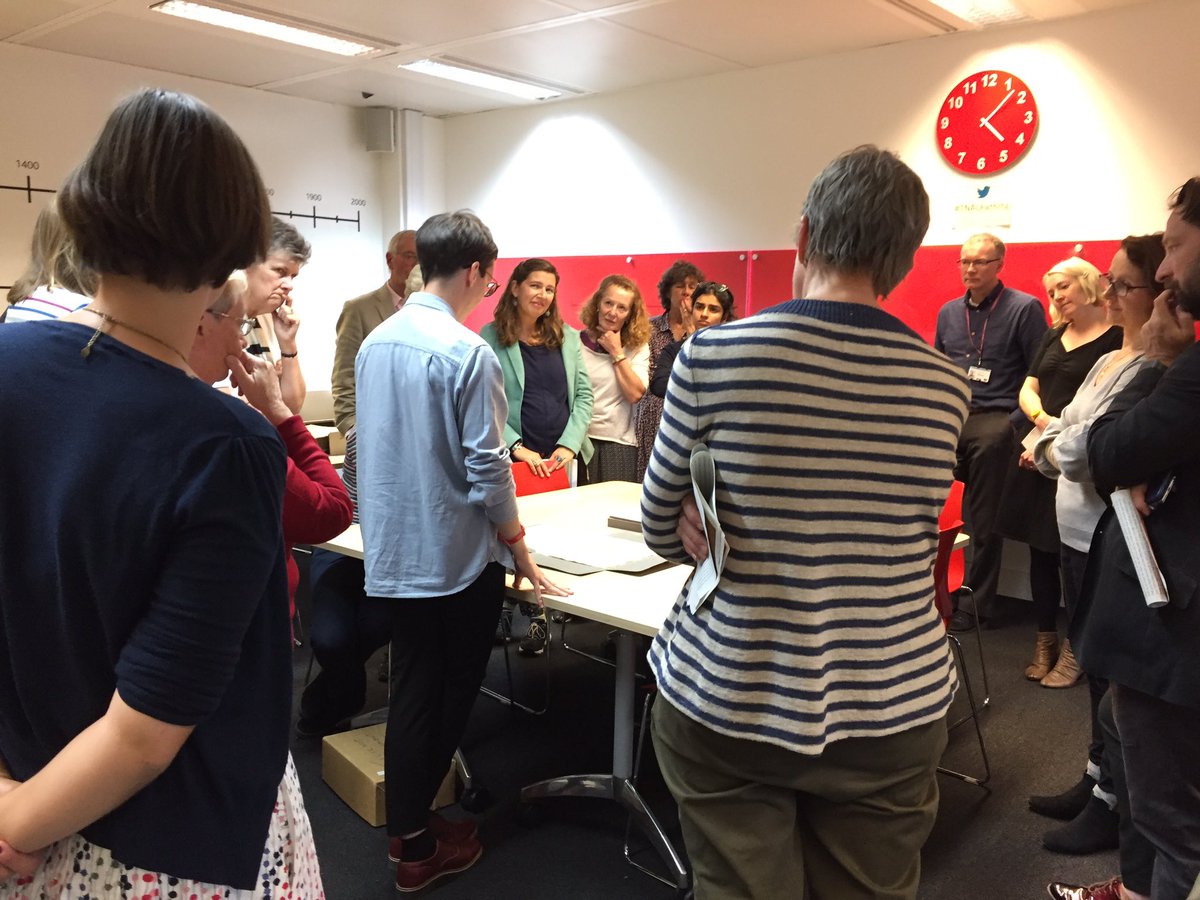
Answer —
583 550
704 488
1150 576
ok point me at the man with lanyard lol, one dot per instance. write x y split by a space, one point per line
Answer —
993 333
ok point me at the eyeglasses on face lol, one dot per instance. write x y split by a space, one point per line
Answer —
1118 287
976 263
492 287
245 325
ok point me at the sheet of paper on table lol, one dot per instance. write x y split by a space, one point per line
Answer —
581 551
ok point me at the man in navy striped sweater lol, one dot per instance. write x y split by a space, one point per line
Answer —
802 710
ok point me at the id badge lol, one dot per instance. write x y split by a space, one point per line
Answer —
980 374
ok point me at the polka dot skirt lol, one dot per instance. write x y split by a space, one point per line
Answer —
78 870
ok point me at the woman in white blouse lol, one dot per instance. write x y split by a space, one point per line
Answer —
617 357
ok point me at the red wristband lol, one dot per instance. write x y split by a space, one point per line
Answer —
515 539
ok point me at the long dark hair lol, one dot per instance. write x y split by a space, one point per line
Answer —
548 330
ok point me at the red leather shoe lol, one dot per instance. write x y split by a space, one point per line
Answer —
446 830
446 860
1108 890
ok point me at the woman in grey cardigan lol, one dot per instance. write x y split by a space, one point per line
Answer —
1061 453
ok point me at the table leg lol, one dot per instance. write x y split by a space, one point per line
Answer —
618 786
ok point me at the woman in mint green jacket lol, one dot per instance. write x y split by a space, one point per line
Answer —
546 383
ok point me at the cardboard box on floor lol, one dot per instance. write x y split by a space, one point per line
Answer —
352 764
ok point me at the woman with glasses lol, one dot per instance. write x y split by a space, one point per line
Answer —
1094 804
712 304
675 293
145 659
316 506
1080 333
617 360
546 384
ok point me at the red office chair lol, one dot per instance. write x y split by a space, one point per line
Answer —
956 571
527 482
945 582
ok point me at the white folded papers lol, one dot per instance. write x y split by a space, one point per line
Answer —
1150 577
704 487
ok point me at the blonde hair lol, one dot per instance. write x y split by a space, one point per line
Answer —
53 260
1083 273
636 330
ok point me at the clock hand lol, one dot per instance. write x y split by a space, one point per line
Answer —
984 123
1007 97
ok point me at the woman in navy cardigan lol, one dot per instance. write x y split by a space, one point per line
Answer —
145 656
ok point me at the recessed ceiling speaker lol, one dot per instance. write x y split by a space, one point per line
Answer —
379 129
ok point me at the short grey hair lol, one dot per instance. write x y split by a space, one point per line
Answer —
286 239
997 244
234 287
394 243
867 214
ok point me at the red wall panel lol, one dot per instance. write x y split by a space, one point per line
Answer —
762 278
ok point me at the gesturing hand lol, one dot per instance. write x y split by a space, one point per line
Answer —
287 323
1169 331
690 530
257 381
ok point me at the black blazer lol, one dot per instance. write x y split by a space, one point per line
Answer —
1152 428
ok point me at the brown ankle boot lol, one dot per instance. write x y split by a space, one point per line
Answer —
1066 672
1045 655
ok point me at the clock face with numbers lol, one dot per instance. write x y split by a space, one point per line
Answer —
987 122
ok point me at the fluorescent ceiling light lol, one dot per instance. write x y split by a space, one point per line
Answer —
983 12
258 23
478 78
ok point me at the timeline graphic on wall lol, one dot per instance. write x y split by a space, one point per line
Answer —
314 217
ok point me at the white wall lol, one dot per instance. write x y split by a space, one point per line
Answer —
723 162
54 104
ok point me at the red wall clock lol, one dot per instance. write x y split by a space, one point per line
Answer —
987 122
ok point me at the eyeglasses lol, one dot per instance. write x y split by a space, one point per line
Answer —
245 326
491 289
976 263
1118 287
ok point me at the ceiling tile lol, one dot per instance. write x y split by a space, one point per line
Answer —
764 32
592 55
21 15
172 45
419 21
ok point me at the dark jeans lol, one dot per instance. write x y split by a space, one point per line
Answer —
347 628
986 451
1074 562
440 649
1137 855
1161 742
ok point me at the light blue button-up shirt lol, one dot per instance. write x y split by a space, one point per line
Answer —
434 474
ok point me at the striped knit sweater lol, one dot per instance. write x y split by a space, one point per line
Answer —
833 427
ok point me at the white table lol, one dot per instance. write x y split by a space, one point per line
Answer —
633 604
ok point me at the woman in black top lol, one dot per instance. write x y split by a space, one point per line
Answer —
1080 336
712 304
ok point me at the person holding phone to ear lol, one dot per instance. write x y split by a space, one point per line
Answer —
269 302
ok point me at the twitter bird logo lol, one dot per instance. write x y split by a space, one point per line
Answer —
983 191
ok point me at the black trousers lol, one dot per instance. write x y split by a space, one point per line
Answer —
440 650
1074 563
347 628
986 451
1137 855
1161 742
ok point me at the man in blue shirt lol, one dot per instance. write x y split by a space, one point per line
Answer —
992 332
439 524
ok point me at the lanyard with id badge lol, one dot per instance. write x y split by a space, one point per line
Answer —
978 372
